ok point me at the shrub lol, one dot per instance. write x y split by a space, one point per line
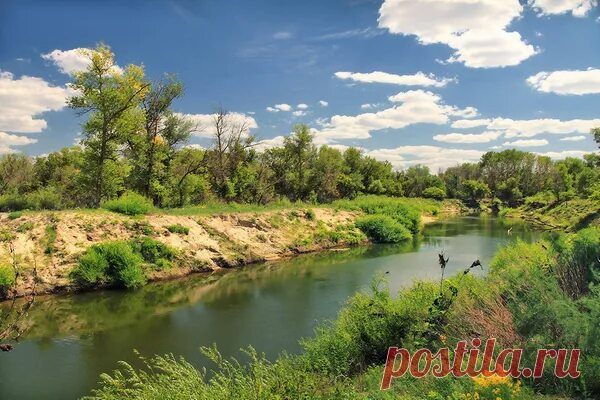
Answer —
153 251
310 215
178 228
13 202
50 238
7 278
44 199
383 229
434 193
15 215
110 263
541 199
25 226
130 203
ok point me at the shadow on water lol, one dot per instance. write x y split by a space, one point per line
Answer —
72 339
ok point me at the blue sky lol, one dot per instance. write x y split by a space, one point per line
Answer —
402 79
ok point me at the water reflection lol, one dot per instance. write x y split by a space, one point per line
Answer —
72 339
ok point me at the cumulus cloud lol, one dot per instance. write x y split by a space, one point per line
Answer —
527 143
417 106
530 127
434 157
469 123
204 124
573 138
476 30
323 103
71 61
302 106
418 79
567 82
265 144
22 101
533 127
280 107
299 113
579 8
484 137
559 155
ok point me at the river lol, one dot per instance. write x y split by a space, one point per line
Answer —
72 339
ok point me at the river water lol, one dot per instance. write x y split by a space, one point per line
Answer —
72 339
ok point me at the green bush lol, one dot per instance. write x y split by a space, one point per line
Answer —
434 193
15 215
112 263
25 226
153 251
178 228
383 229
50 239
541 199
130 203
7 278
310 215
13 202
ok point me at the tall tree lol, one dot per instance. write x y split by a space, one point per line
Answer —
300 150
111 97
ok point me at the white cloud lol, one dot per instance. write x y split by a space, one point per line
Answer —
265 144
418 79
205 123
417 106
526 143
432 156
484 137
369 106
71 61
282 35
323 103
573 138
299 113
470 123
476 30
302 106
579 8
279 107
15 140
567 82
559 155
23 100
533 127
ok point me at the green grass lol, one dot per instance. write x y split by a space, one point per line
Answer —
130 203
178 228
50 238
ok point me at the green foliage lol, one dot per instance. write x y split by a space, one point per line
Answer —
129 203
434 193
310 215
383 229
15 215
112 263
7 278
24 227
50 238
154 252
178 228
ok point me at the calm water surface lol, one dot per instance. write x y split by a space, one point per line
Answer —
72 339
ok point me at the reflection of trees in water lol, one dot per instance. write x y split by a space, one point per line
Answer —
85 313
490 226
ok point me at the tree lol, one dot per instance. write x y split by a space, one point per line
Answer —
300 151
150 149
231 143
110 97
15 174
596 133
473 191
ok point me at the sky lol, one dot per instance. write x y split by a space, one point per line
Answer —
433 82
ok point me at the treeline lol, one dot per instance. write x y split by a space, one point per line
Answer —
132 141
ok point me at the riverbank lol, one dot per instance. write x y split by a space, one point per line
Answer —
204 240
565 216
